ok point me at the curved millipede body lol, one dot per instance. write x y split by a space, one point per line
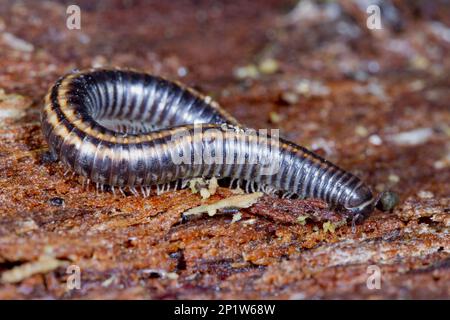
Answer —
129 129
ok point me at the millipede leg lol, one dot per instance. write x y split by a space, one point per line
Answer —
247 183
142 188
133 191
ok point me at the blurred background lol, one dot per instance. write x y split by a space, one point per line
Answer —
367 89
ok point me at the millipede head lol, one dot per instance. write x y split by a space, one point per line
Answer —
360 204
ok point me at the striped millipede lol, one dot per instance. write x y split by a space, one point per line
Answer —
116 128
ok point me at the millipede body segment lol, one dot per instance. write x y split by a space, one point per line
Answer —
133 130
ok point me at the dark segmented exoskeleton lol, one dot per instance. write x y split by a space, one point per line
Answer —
124 129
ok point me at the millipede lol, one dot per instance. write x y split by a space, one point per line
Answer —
122 130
